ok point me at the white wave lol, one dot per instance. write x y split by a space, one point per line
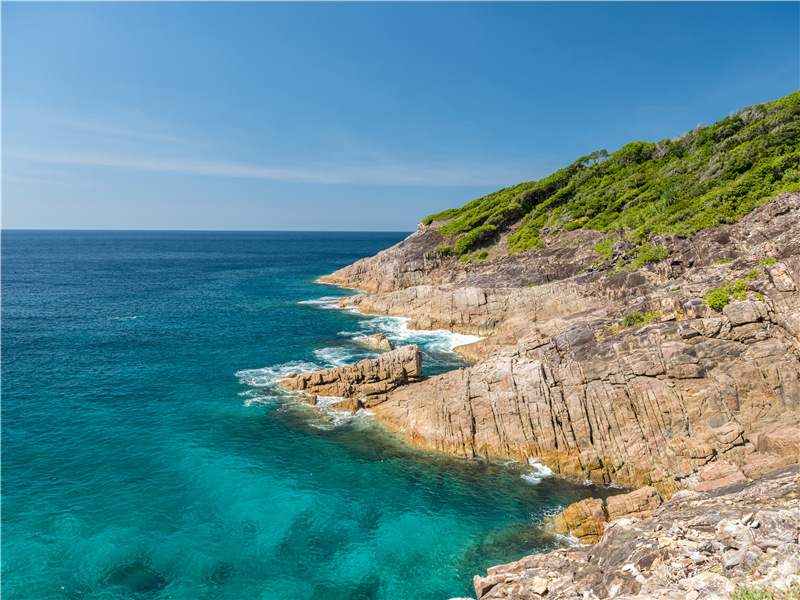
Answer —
397 330
333 417
338 356
125 318
270 375
537 473
553 511
567 540
324 302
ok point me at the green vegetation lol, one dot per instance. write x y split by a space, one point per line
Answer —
647 253
754 274
719 298
604 249
749 593
709 176
445 250
767 262
637 319
724 261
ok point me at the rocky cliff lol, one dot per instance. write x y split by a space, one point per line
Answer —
676 368
697 546
625 375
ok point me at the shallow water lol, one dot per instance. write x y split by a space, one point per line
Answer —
148 454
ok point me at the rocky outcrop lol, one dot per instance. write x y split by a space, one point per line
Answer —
697 546
586 520
696 397
649 407
377 340
363 383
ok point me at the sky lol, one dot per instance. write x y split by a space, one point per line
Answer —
350 116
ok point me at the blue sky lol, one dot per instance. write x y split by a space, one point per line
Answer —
350 116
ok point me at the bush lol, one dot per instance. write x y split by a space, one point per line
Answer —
633 319
647 253
717 298
604 249
652 317
710 176
767 262
445 250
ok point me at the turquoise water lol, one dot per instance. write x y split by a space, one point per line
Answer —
148 454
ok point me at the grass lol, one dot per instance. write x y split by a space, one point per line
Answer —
709 176
745 592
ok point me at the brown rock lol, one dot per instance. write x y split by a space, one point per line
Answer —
377 340
674 555
584 520
640 504
368 378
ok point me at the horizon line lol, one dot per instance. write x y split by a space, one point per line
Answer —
7 229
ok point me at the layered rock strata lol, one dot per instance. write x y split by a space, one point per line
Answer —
696 397
586 520
364 383
697 546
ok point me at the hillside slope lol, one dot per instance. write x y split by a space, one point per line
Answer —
707 177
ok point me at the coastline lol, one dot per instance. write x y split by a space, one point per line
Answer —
554 376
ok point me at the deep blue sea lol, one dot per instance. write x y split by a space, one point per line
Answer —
147 452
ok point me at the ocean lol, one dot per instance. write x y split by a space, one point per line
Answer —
148 453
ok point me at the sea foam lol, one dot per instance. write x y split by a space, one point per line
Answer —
537 472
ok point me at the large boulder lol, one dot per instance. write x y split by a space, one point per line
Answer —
369 378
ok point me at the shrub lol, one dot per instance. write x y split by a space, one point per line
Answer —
753 274
767 262
717 298
445 250
633 319
738 289
707 177
604 249
652 317
647 253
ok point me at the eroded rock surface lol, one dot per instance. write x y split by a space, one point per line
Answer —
364 382
697 546
697 397
377 340
586 520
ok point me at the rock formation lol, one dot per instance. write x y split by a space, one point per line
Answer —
697 546
690 396
377 340
617 373
587 519
366 382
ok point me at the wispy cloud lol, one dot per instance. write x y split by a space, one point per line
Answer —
472 174
124 139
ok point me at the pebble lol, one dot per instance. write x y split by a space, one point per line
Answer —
747 518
